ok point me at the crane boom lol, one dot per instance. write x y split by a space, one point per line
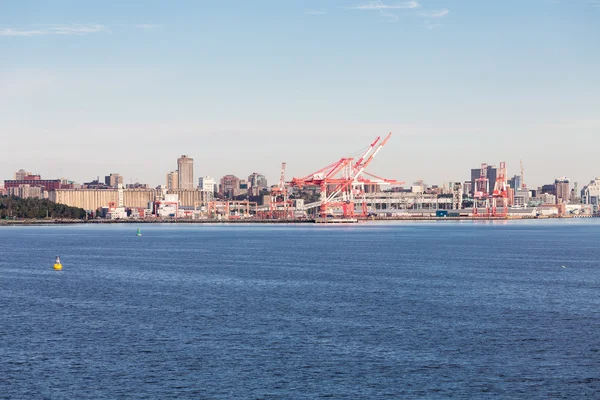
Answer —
372 156
360 160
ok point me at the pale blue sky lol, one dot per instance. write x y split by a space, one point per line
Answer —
127 86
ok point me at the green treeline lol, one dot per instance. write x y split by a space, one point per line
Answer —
14 207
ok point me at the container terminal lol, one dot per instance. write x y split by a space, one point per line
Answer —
341 192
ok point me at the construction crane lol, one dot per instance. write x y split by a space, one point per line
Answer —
342 182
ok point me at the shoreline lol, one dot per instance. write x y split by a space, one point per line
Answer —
30 222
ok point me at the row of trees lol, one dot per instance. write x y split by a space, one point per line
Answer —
32 208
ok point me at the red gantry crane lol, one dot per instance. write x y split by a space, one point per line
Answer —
342 182
500 192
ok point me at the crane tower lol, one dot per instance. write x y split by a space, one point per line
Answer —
500 192
342 182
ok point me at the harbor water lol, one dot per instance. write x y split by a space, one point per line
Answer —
503 309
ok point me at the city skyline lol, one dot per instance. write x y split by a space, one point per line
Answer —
173 180
242 87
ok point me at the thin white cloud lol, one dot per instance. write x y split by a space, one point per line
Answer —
595 3
78 29
315 12
436 14
83 29
379 5
17 32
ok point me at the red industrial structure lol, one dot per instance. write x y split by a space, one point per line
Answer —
482 196
500 192
342 183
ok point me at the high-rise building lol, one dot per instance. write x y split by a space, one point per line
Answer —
491 174
230 186
562 190
590 194
256 183
173 180
113 180
185 168
515 182
206 184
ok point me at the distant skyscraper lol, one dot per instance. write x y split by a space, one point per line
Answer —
590 194
113 180
515 182
256 183
230 186
173 180
185 167
562 190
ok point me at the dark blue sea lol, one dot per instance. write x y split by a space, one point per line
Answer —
404 310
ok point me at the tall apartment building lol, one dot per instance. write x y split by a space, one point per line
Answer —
173 180
185 168
113 180
562 190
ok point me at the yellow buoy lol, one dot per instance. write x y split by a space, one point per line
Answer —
57 264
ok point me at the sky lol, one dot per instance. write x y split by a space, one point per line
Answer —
92 88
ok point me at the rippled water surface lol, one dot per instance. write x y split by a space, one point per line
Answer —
430 310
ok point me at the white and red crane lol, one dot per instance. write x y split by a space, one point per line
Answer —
342 183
